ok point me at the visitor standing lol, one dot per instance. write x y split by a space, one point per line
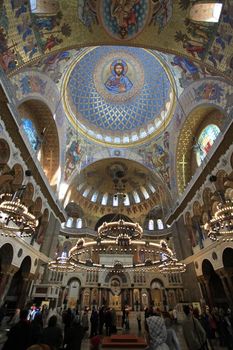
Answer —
52 335
74 335
85 321
172 340
19 335
108 321
156 333
194 334
94 322
139 321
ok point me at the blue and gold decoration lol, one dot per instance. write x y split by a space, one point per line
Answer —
122 111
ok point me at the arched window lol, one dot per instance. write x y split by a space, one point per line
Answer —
42 7
94 197
144 192
86 192
205 142
136 197
206 12
160 224
115 201
79 223
151 225
126 201
104 199
151 187
30 131
69 222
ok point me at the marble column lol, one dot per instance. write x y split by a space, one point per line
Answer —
227 291
23 293
131 301
6 282
208 292
100 296
229 280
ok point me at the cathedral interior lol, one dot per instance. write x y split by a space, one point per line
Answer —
116 153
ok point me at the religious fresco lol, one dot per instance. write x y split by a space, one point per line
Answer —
119 75
124 19
156 156
27 35
87 13
31 84
189 71
118 82
208 91
221 51
116 107
54 65
73 153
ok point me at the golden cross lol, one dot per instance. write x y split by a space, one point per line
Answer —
183 164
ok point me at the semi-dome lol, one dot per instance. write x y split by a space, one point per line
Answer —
118 95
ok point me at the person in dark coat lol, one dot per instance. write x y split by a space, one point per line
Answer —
75 335
67 319
94 322
19 335
36 329
52 335
108 321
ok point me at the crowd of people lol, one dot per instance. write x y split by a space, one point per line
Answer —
43 329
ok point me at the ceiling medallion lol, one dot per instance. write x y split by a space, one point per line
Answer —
221 224
61 264
172 266
15 216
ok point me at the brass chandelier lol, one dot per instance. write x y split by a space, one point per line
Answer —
172 266
221 224
119 238
15 216
61 264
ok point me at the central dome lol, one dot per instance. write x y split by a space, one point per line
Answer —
118 95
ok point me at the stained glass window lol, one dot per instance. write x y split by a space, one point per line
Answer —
30 130
205 142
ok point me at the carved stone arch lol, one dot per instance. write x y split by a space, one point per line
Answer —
4 152
229 194
18 177
37 207
25 266
28 195
196 121
6 257
42 117
222 176
41 229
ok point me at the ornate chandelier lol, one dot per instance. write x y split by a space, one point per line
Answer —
15 217
221 224
120 228
119 238
172 266
61 264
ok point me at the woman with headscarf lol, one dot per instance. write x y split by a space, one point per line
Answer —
156 333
